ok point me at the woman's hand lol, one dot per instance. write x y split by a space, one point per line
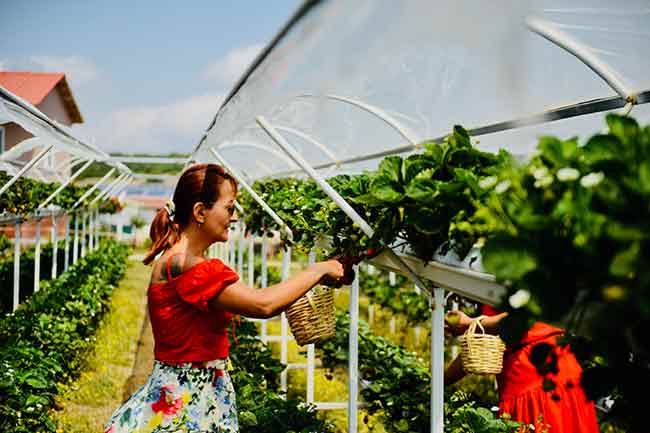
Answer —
333 272
457 322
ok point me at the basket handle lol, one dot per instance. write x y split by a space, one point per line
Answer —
310 300
471 329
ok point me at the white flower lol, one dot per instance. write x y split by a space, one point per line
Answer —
519 298
567 173
502 186
488 182
592 179
540 173
544 181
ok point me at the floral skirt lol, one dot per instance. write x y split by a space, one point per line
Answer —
188 398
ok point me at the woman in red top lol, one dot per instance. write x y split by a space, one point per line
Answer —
191 301
565 409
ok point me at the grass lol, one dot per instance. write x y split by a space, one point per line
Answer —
90 401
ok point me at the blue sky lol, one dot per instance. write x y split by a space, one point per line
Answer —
148 75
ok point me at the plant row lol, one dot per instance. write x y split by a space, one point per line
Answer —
261 405
567 232
397 384
26 194
44 342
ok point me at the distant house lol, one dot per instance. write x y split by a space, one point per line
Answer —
51 94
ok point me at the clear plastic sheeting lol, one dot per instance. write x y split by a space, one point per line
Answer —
46 132
357 78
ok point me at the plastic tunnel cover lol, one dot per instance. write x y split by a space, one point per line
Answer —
428 68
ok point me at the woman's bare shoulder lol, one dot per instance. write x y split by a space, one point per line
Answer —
179 262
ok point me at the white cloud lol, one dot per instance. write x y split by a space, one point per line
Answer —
78 70
230 67
156 129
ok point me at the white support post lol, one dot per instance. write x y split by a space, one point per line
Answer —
232 259
437 360
264 283
97 227
25 168
286 262
83 233
310 351
391 279
454 346
55 247
37 256
75 243
353 357
90 230
16 265
241 228
66 248
251 261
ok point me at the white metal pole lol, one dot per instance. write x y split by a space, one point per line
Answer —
92 188
264 283
37 256
16 265
25 168
334 195
75 243
64 184
66 248
251 260
454 346
437 360
310 351
353 357
83 233
55 247
286 262
97 227
89 231
241 228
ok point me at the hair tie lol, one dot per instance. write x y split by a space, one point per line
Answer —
170 208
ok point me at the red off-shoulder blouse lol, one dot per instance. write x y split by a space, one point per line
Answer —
184 329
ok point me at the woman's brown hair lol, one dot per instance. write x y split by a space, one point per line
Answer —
199 183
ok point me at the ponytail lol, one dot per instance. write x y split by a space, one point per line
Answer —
163 234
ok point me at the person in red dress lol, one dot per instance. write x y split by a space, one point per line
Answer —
563 409
192 300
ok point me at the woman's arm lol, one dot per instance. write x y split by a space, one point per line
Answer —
457 322
238 298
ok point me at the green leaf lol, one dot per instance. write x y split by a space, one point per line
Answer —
385 189
423 190
623 127
624 263
391 167
558 152
644 176
416 165
602 148
460 137
508 259
37 382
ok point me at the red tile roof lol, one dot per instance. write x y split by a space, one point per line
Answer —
35 86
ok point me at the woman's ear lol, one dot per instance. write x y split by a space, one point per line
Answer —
198 212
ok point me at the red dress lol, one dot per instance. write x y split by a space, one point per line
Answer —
184 329
564 409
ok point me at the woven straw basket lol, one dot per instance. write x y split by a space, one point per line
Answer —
311 317
481 353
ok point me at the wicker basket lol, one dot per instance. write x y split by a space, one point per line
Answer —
311 317
481 353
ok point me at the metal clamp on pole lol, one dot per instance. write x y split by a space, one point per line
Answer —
253 194
340 201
